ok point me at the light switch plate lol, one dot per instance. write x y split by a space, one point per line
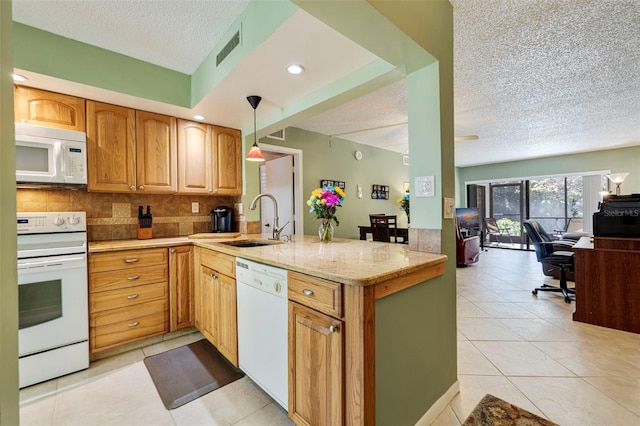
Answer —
425 186
359 190
448 208
195 207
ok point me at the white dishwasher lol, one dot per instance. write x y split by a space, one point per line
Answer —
262 326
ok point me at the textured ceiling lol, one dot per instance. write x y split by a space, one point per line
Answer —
532 78
174 34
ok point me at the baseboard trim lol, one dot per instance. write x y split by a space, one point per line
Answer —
442 402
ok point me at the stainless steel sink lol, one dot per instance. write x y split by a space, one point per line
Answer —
249 243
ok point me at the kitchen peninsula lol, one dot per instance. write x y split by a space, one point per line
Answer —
376 297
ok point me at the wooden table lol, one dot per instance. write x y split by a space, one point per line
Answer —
400 232
607 282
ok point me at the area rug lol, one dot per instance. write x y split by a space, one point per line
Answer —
493 411
188 372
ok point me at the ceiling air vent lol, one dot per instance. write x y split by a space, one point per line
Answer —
279 135
228 48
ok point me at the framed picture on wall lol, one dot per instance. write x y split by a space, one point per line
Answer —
334 183
380 192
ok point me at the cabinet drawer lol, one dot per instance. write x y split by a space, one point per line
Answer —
113 280
127 259
223 263
117 327
123 297
322 295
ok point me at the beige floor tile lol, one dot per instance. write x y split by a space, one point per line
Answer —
549 308
572 401
446 418
521 359
99 369
114 395
538 330
38 413
167 345
153 413
624 390
38 391
504 310
485 329
225 406
474 388
471 361
470 310
272 415
590 359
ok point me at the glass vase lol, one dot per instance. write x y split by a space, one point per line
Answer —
325 232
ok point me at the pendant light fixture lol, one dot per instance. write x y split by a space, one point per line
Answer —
254 153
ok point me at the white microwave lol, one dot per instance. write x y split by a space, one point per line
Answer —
46 155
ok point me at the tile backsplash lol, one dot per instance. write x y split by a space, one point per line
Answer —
115 216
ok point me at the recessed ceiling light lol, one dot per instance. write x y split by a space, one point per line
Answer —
198 117
18 77
295 69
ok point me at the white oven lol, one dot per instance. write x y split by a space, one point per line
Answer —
47 155
52 295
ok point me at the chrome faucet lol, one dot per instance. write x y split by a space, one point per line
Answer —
276 230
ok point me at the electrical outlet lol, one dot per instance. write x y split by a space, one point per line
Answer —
238 207
195 207
359 190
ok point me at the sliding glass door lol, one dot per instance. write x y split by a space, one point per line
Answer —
556 203
507 206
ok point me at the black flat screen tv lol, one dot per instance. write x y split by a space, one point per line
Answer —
468 217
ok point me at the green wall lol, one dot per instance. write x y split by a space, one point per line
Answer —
49 54
8 283
615 160
332 159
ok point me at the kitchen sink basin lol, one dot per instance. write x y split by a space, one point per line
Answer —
249 243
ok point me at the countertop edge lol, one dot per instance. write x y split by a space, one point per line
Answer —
432 260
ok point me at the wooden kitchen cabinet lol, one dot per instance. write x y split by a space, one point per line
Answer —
49 109
209 159
130 150
111 149
227 161
128 297
316 348
156 153
181 302
316 367
216 310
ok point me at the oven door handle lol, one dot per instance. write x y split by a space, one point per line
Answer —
48 262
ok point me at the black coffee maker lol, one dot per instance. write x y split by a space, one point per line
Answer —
222 219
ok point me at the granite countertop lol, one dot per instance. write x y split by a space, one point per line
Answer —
352 262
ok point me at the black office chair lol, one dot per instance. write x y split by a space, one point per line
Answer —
545 254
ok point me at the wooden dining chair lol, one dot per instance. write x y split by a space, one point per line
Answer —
383 227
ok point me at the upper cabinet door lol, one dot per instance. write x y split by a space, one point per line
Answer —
194 158
227 161
156 153
111 154
49 109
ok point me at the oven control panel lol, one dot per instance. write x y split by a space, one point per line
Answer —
51 222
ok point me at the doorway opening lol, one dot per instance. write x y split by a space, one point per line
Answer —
281 176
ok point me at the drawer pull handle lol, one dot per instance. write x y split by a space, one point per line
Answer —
133 324
132 296
133 277
307 292
333 328
132 260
